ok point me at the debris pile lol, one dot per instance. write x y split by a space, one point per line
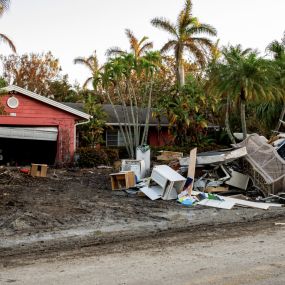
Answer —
251 174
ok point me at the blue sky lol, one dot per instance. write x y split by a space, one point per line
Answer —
71 28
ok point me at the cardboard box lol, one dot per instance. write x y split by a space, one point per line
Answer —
39 170
122 180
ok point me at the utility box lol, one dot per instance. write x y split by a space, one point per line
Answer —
171 182
122 180
39 170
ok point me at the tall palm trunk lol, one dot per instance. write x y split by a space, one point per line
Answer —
227 121
281 118
180 75
242 112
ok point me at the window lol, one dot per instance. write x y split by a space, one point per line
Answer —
114 138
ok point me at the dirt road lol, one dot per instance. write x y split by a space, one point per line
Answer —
243 255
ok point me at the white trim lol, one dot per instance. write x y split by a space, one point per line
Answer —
46 100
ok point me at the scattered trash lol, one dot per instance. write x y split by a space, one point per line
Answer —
213 179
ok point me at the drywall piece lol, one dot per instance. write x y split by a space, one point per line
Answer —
191 168
238 180
217 204
250 204
153 193
218 157
137 166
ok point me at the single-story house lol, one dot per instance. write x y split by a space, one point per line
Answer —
36 129
158 130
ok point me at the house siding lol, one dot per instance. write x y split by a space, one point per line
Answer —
31 112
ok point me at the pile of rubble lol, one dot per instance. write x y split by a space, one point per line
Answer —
250 174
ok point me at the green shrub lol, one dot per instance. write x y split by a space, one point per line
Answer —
91 157
112 154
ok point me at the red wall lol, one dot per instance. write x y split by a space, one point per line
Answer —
159 138
31 112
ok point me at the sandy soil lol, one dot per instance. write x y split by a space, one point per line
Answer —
248 254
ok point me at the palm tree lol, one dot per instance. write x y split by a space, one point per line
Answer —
186 37
245 77
277 49
4 5
92 64
138 47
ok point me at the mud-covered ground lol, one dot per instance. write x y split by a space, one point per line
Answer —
76 208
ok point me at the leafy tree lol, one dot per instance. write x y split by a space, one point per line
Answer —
130 81
32 71
277 49
186 37
188 113
245 77
92 132
62 91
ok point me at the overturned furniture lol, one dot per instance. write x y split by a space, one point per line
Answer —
169 180
264 164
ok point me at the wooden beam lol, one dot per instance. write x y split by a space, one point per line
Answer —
191 168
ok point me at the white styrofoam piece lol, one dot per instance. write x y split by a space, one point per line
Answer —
154 192
145 156
217 204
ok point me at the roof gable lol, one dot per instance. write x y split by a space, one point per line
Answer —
47 101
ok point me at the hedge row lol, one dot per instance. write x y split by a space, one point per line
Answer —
92 157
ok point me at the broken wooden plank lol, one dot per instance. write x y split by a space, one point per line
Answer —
191 168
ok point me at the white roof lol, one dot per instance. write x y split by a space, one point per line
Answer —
46 100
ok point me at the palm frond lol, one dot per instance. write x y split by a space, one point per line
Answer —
114 51
169 45
6 40
165 25
202 29
4 6
196 52
146 46
83 61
